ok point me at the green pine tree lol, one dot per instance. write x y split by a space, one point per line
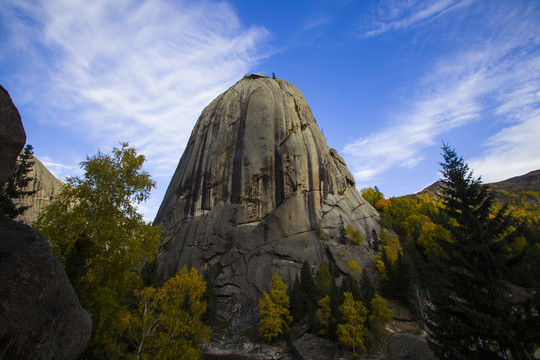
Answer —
298 310
13 188
400 279
324 280
375 242
367 290
472 315
349 284
309 291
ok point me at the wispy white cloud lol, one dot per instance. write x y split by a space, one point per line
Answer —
60 171
441 108
392 15
512 151
316 22
498 80
130 70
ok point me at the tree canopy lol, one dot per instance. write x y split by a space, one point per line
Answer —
351 331
167 324
102 241
472 315
274 310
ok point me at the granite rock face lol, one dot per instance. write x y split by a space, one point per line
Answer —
12 135
254 182
409 347
40 314
46 187
39 311
310 346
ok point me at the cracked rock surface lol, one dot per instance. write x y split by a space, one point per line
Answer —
253 183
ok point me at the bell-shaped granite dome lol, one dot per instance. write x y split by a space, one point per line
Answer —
255 182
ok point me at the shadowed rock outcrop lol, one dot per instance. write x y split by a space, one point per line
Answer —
253 184
12 135
409 347
40 314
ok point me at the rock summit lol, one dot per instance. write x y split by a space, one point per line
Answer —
258 191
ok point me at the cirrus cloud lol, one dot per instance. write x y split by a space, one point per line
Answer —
128 70
493 81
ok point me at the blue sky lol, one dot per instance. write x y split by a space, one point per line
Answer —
388 81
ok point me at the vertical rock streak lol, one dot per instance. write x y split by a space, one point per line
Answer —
253 183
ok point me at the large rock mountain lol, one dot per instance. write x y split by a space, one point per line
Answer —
255 182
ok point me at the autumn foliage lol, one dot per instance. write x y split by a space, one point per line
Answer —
274 310
167 323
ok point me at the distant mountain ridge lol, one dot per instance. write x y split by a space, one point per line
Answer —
527 182
520 193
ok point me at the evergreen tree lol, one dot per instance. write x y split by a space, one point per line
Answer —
367 290
150 274
472 315
336 298
298 310
349 284
14 187
386 262
323 280
400 279
404 277
309 291
375 243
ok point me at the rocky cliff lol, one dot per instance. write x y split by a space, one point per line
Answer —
253 184
46 187
12 135
40 314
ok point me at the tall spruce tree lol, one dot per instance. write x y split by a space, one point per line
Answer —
298 310
472 315
309 291
323 280
14 187
367 290
400 279
375 242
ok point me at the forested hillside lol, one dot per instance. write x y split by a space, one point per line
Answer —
463 256
521 194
